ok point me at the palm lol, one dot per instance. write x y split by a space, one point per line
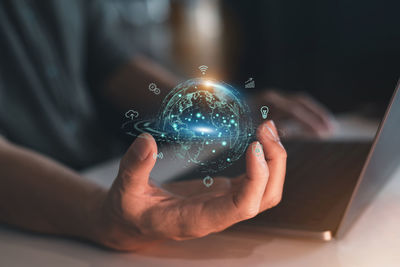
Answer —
190 188
189 209
191 201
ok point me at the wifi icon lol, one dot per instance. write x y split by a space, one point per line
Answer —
160 155
203 69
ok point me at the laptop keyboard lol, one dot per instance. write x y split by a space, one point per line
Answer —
320 179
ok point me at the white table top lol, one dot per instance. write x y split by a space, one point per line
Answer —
373 241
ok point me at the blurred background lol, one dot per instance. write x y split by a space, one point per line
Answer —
344 53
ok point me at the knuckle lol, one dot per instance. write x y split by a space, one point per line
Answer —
197 233
300 95
190 234
295 109
274 200
282 153
274 97
249 212
178 238
270 93
188 228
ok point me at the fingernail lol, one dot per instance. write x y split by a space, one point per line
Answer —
140 147
257 150
271 134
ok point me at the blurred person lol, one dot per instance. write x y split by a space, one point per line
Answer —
343 53
61 61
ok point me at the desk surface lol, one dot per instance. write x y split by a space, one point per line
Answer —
373 241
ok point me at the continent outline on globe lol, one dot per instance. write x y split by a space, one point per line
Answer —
207 122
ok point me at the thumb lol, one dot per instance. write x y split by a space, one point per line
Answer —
138 161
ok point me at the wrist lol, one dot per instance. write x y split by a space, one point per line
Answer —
109 228
95 221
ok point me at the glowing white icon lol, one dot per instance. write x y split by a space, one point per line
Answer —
153 88
131 114
160 155
264 112
203 69
250 83
208 181
257 150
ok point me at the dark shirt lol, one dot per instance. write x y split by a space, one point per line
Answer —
54 56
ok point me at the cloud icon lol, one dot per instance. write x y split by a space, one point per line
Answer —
131 114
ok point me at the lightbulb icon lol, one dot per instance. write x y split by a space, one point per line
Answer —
264 112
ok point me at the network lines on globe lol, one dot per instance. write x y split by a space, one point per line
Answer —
207 122
203 121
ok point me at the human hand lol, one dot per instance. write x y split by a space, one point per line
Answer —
314 118
136 212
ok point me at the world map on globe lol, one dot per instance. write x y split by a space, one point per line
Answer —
207 122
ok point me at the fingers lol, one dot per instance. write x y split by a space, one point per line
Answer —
259 189
304 110
199 215
321 113
220 212
275 155
138 161
248 198
308 119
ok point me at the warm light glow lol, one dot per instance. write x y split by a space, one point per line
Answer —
208 83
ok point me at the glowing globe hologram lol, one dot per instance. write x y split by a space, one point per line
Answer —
207 121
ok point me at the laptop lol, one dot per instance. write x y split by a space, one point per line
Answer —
329 184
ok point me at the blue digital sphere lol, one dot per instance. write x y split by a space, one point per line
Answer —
207 122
